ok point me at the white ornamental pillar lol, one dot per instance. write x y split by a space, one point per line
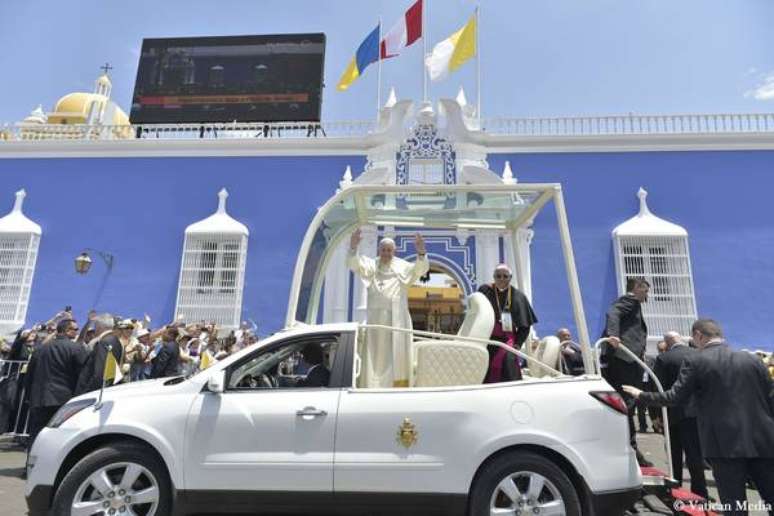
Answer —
337 285
487 255
524 261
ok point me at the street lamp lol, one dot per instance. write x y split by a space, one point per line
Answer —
83 260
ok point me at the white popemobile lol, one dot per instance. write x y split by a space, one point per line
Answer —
245 436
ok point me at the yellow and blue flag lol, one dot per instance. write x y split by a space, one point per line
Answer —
367 53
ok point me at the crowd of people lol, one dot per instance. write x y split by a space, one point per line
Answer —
47 364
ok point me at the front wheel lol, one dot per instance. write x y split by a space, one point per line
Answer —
522 484
118 480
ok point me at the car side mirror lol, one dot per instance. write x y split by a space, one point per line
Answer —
217 382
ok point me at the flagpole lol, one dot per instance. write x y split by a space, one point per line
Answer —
425 39
379 73
478 62
98 405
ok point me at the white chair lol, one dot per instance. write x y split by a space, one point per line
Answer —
479 318
450 363
549 353
453 362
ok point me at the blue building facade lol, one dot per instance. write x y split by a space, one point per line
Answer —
137 209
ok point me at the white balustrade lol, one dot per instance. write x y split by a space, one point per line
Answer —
632 124
553 126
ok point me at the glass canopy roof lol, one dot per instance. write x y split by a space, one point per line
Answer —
496 206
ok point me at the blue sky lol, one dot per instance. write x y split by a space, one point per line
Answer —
538 57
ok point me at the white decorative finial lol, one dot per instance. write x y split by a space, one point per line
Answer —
392 99
222 196
17 205
508 174
346 180
461 99
643 195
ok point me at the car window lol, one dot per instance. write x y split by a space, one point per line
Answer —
298 362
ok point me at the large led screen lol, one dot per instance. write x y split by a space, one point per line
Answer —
267 78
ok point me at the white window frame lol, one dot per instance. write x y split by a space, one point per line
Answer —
216 287
17 269
665 262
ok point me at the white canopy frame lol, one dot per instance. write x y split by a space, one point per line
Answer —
467 218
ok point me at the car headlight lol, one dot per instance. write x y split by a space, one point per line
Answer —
68 411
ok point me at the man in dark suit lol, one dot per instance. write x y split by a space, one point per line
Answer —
106 341
513 319
626 327
167 361
683 428
734 399
317 375
53 374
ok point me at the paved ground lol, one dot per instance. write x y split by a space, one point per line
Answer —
12 465
652 445
11 485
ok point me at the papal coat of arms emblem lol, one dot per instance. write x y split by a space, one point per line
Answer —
407 433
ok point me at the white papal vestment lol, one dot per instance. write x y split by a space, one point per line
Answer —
386 357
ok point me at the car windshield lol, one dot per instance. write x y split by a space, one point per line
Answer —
457 207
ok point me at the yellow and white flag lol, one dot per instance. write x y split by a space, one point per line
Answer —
112 371
206 360
453 52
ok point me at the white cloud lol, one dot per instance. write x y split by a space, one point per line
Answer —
764 90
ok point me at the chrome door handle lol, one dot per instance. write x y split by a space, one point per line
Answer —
310 412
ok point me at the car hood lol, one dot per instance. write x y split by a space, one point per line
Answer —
142 388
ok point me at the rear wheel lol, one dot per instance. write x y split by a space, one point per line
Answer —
123 479
523 484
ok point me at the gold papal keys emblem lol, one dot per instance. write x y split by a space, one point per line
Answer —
407 433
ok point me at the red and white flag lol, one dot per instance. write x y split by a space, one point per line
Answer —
404 33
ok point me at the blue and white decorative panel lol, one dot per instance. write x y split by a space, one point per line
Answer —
425 158
459 259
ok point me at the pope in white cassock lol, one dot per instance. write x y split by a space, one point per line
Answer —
386 359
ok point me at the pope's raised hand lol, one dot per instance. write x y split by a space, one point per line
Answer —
354 240
419 243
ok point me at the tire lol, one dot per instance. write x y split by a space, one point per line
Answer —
113 463
522 468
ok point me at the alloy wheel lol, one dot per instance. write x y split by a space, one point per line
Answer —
118 489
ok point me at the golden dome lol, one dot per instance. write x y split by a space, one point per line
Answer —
77 103
73 108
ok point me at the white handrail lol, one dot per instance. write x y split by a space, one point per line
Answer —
652 375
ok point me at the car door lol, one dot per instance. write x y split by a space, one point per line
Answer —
402 441
260 436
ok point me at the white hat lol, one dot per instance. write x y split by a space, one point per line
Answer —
125 324
142 332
